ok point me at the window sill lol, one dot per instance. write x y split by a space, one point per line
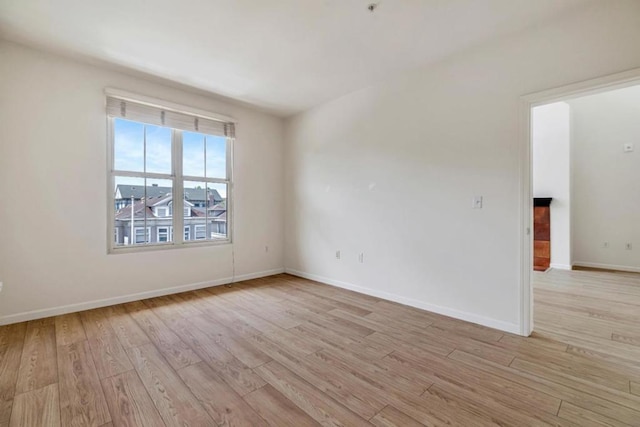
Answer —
116 250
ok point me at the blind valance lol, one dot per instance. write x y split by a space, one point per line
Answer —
139 112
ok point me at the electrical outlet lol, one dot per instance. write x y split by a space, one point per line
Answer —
266 248
476 203
628 246
337 254
361 257
605 245
628 148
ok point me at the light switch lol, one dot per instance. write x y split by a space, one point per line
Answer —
628 148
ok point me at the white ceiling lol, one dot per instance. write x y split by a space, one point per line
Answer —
282 55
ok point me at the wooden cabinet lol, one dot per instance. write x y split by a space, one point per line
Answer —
541 233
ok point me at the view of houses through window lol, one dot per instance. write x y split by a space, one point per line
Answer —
145 184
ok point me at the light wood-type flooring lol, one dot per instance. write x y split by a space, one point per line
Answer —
285 351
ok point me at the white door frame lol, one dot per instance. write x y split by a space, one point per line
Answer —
527 102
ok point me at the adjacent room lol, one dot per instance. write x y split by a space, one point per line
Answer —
585 186
321 212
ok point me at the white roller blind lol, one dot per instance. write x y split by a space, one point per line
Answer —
130 110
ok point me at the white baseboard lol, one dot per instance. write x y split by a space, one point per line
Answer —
71 308
607 266
462 315
560 266
257 275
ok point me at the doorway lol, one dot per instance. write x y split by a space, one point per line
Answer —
562 241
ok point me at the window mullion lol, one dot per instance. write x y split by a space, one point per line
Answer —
144 205
151 175
178 186
204 179
206 190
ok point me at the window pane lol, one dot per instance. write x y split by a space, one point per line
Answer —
195 202
159 195
128 145
195 197
216 157
207 205
127 204
193 154
158 149
216 211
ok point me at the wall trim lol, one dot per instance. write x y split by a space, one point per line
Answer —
450 312
88 305
560 266
607 266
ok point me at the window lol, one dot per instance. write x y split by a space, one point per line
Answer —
163 234
200 231
162 212
160 157
141 236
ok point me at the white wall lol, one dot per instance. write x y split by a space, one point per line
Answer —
606 180
391 170
551 138
53 249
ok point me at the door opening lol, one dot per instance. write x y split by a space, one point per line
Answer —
548 235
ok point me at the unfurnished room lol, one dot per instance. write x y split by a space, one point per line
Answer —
319 212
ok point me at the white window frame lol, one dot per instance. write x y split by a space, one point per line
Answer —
165 211
176 177
195 231
147 235
187 232
164 227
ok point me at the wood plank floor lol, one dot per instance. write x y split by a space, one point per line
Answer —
285 351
